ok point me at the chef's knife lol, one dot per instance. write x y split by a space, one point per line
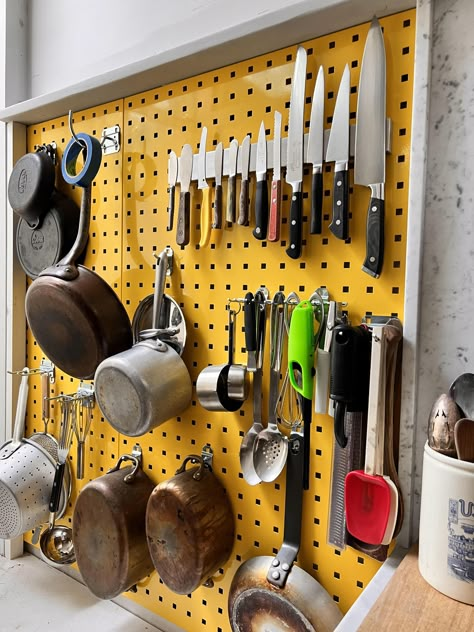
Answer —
185 172
172 177
206 192
275 199
294 161
233 152
315 154
217 217
338 151
243 218
261 195
370 144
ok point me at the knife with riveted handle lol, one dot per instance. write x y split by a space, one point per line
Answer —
315 154
275 197
217 214
294 161
261 195
185 172
233 153
338 151
370 144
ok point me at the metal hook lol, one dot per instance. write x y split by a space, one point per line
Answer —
73 133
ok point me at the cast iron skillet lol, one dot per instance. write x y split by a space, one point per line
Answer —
269 593
75 316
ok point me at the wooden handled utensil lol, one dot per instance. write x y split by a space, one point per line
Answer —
371 499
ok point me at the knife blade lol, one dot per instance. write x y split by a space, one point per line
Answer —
185 172
338 152
172 177
233 153
206 191
275 200
261 195
218 157
315 153
243 218
370 144
294 169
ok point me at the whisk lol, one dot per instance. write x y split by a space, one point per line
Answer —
82 425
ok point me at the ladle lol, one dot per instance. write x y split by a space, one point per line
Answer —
271 446
56 540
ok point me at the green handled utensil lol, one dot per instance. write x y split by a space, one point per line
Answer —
301 369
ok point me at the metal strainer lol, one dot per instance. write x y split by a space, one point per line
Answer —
26 475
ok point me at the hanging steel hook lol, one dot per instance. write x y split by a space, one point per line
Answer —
73 133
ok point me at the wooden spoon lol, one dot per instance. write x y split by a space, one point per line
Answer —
464 439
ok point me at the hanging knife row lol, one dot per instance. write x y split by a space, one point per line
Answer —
332 367
367 141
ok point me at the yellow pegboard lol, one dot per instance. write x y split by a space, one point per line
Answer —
129 226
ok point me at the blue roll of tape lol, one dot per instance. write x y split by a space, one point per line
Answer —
92 160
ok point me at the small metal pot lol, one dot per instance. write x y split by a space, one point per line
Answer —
109 529
139 389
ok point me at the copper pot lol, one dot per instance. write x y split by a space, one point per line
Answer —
189 526
109 530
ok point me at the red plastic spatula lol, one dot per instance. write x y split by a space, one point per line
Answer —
370 498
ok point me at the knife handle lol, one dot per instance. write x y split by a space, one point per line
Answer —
250 330
205 217
230 213
182 230
375 237
261 210
296 219
217 219
275 206
170 208
340 205
316 226
243 219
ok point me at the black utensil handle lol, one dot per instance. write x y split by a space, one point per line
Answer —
339 423
170 208
217 214
243 218
57 486
307 414
316 226
281 565
230 213
261 210
182 230
340 205
296 219
250 323
375 238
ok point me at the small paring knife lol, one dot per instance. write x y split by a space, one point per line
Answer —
244 151
206 192
275 198
172 177
261 197
217 215
185 173
233 153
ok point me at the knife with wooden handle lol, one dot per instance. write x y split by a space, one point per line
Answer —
217 214
233 153
275 197
206 192
294 162
370 144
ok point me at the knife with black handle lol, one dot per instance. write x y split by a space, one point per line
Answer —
294 168
261 194
185 172
315 153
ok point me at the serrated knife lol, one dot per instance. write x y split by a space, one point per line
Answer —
206 192
370 144
294 161
185 173
218 158
315 153
338 152
243 218
261 195
275 196
172 177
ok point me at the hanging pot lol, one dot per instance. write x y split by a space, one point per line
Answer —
189 526
142 387
109 529
75 316
31 185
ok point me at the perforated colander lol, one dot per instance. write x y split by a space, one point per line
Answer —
26 476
